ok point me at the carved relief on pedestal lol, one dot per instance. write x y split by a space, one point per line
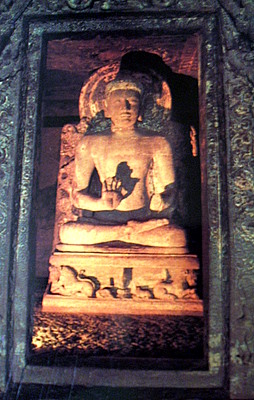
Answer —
66 281
184 288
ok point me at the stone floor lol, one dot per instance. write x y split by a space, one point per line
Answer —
116 340
52 392
113 341
116 337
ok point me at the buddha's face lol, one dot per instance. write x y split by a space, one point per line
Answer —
123 107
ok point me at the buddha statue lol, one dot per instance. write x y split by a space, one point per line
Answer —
117 238
136 171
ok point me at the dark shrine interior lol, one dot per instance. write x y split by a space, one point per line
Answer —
123 341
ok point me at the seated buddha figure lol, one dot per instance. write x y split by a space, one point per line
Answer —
129 161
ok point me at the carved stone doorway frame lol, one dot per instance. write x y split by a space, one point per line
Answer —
36 31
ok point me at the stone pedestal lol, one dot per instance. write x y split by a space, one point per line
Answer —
112 280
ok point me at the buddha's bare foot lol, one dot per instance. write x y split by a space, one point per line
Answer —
155 233
147 225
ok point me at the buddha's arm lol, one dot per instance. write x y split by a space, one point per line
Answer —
84 166
163 174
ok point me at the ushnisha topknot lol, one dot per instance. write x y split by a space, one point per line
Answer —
123 83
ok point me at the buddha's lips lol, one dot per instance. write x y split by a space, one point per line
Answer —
125 115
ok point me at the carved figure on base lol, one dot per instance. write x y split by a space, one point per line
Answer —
65 281
182 288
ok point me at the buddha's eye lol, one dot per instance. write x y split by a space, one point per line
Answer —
133 102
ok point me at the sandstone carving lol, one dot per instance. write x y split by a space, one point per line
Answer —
115 231
183 288
141 292
65 281
106 293
132 213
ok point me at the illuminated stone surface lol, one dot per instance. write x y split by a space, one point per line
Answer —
116 335
106 282
134 204
124 158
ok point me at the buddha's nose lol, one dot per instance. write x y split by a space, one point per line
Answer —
127 105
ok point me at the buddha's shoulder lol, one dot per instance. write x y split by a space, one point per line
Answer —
92 139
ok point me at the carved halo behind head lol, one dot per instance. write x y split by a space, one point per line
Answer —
91 99
108 78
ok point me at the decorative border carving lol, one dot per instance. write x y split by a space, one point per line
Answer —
174 23
238 58
239 91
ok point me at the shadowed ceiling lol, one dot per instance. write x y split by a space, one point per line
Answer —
70 62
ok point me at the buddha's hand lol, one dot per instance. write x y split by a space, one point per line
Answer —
157 203
111 195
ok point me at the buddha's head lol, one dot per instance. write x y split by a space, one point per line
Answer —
122 101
